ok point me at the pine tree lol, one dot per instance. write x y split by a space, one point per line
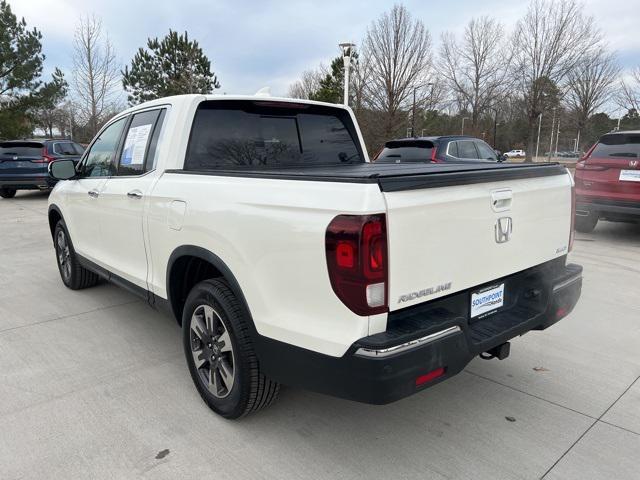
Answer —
171 66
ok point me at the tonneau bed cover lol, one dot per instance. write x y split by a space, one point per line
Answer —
395 177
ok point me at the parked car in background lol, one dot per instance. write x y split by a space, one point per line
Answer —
608 181
23 163
515 154
443 149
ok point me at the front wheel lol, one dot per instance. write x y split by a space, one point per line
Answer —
220 353
7 192
73 275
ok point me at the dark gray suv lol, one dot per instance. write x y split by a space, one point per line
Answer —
24 163
444 149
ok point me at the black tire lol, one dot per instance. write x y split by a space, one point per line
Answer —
73 275
249 389
586 223
7 192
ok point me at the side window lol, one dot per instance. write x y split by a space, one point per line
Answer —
99 161
452 149
466 149
486 153
136 144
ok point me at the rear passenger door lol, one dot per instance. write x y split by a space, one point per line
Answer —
467 150
124 198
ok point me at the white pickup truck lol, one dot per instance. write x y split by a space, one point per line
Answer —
289 258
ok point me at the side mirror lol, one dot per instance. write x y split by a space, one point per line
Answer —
62 169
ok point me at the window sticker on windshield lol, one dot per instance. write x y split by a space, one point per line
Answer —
135 145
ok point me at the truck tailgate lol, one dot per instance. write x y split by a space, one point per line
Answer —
447 238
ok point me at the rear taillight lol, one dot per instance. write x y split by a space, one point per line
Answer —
434 152
46 158
356 249
572 232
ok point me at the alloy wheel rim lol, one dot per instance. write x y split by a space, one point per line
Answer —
64 255
212 351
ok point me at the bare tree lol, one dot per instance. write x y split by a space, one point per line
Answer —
548 43
591 84
628 96
308 84
476 69
399 50
96 73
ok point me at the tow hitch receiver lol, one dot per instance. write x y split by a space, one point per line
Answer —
500 352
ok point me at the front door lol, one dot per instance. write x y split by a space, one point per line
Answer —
83 211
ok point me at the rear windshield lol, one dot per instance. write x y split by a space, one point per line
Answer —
67 148
618 145
405 151
20 149
249 134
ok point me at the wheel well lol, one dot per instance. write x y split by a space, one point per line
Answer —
186 272
54 218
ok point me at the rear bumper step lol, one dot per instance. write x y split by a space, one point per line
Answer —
433 341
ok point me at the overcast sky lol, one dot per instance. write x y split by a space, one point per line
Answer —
253 44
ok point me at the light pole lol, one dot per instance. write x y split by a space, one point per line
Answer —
347 52
553 124
462 130
495 128
538 141
413 109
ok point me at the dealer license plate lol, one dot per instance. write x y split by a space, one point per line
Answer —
487 300
630 175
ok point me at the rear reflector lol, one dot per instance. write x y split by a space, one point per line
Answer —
422 379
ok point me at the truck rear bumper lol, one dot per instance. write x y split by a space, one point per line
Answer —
428 343
614 209
24 182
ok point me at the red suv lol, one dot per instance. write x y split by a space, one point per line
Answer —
608 181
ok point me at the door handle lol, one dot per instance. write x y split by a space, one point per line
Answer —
93 193
501 200
135 194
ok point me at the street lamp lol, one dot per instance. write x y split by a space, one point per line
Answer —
538 141
463 119
347 52
413 109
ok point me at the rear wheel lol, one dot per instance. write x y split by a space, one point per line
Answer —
220 353
7 192
586 223
73 275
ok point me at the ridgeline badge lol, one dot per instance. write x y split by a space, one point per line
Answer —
425 292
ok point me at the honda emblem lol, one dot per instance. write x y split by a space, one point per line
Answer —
633 163
504 227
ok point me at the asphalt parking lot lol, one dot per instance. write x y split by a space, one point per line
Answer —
93 385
